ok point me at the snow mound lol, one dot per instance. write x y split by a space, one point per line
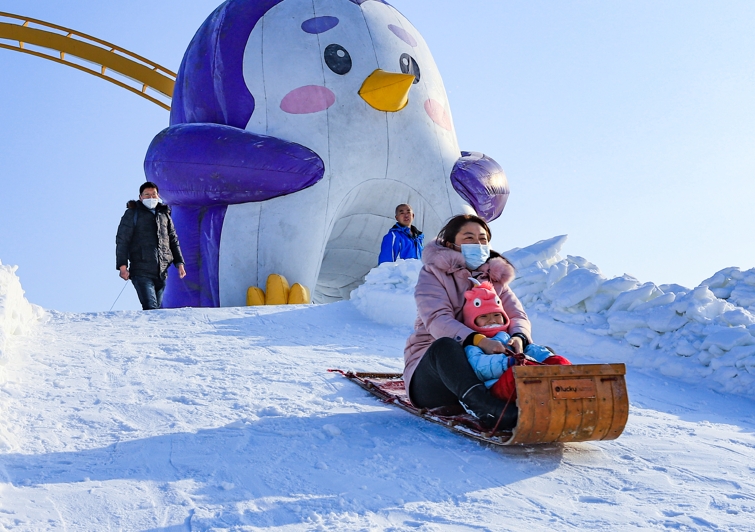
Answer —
705 334
17 315
387 294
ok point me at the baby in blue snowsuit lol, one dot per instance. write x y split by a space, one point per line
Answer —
483 312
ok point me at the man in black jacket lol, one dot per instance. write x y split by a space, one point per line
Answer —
146 245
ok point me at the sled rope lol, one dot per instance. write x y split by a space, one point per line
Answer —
495 428
509 352
119 295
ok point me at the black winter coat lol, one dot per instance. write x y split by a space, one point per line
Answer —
150 246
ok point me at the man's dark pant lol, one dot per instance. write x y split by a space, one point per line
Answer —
150 291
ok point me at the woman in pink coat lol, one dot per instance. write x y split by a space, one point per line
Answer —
436 370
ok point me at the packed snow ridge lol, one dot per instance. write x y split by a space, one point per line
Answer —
705 334
17 315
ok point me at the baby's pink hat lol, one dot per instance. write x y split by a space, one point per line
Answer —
482 299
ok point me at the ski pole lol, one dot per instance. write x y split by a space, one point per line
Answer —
119 295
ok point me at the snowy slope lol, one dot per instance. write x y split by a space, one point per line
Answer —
206 419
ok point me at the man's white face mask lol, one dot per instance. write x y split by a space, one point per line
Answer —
150 203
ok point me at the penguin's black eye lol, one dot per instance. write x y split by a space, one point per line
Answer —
409 66
337 59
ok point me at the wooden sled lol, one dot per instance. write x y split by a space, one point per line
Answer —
583 402
556 404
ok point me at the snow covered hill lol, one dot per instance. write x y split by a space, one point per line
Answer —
208 419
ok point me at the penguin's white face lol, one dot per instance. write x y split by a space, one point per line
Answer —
305 63
317 70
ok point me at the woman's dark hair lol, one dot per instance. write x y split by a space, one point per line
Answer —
447 235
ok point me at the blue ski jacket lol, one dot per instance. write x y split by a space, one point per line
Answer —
401 243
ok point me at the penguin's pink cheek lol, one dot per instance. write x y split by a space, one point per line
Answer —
307 99
438 114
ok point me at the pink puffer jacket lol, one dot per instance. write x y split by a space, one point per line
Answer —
440 298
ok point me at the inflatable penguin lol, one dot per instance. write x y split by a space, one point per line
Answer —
296 128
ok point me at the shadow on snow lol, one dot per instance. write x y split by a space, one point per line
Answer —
280 470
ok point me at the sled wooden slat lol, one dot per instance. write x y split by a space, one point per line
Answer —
570 403
620 410
532 398
585 419
606 408
557 415
590 419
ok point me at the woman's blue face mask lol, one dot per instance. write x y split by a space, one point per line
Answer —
475 255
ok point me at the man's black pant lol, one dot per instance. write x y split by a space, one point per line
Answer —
149 290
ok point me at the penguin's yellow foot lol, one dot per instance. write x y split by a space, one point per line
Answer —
255 296
299 295
277 292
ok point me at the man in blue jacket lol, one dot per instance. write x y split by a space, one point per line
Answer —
403 241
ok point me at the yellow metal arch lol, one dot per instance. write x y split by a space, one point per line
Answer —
135 73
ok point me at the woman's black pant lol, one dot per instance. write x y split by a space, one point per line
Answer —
442 376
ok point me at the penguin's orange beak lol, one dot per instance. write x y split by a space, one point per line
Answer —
387 91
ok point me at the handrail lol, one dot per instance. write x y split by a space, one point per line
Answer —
145 74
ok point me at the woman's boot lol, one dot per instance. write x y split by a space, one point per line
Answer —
478 402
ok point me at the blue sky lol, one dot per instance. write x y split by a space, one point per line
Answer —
629 126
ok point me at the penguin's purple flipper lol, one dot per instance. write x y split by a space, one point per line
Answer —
482 183
213 164
201 169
